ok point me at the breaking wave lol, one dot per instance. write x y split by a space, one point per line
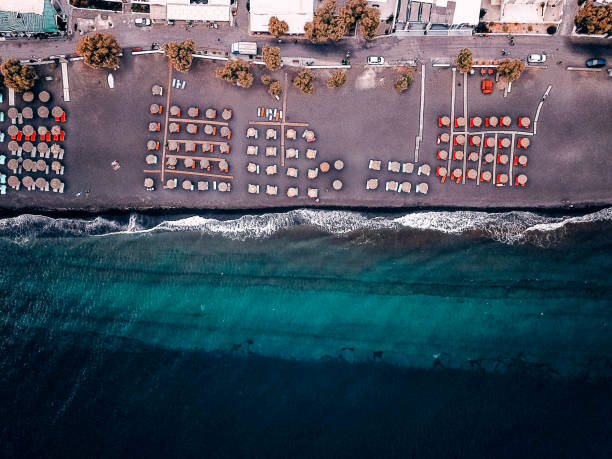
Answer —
513 227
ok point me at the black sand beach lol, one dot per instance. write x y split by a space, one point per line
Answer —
567 158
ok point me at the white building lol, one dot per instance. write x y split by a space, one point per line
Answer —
295 13
466 11
23 6
525 11
184 10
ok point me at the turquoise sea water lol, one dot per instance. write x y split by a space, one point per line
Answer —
453 291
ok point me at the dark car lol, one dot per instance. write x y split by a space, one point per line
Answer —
595 62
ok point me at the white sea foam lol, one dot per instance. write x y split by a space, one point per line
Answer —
507 227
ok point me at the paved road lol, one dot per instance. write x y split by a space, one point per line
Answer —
571 51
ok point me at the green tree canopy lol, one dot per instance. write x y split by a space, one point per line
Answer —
304 81
404 81
180 54
277 27
464 60
369 22
275 89
272 57
99 50
237 72
594 19
337 79
325 24
19 77
510 70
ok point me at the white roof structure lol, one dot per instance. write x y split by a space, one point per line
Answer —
184 10
23 6
295 13
467 12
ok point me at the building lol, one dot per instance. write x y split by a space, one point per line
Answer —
523 11
436 17
27 17
190 10
296 13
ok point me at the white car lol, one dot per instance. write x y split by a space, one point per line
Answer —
376 60
142 22
536 58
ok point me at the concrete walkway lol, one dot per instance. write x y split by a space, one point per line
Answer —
570 8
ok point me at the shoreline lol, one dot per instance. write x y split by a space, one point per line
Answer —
552 210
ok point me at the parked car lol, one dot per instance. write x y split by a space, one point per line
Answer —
536 58
486 86
376 60
142 22
595 62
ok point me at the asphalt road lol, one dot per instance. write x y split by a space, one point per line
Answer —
569 50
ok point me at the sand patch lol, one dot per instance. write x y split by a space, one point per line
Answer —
368 80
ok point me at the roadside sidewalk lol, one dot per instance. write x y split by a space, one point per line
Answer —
570 8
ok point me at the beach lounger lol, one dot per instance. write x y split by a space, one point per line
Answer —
2 160
405 187
2 189
391 185
393 166
375 164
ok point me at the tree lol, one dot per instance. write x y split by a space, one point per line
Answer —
304 81
266 79
510 70
404 81
594 19
357 10
19 77
272 57
99 50
325 24
277 27
352 11
275 89
464 60
180 54
369 21
237 72
337 79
